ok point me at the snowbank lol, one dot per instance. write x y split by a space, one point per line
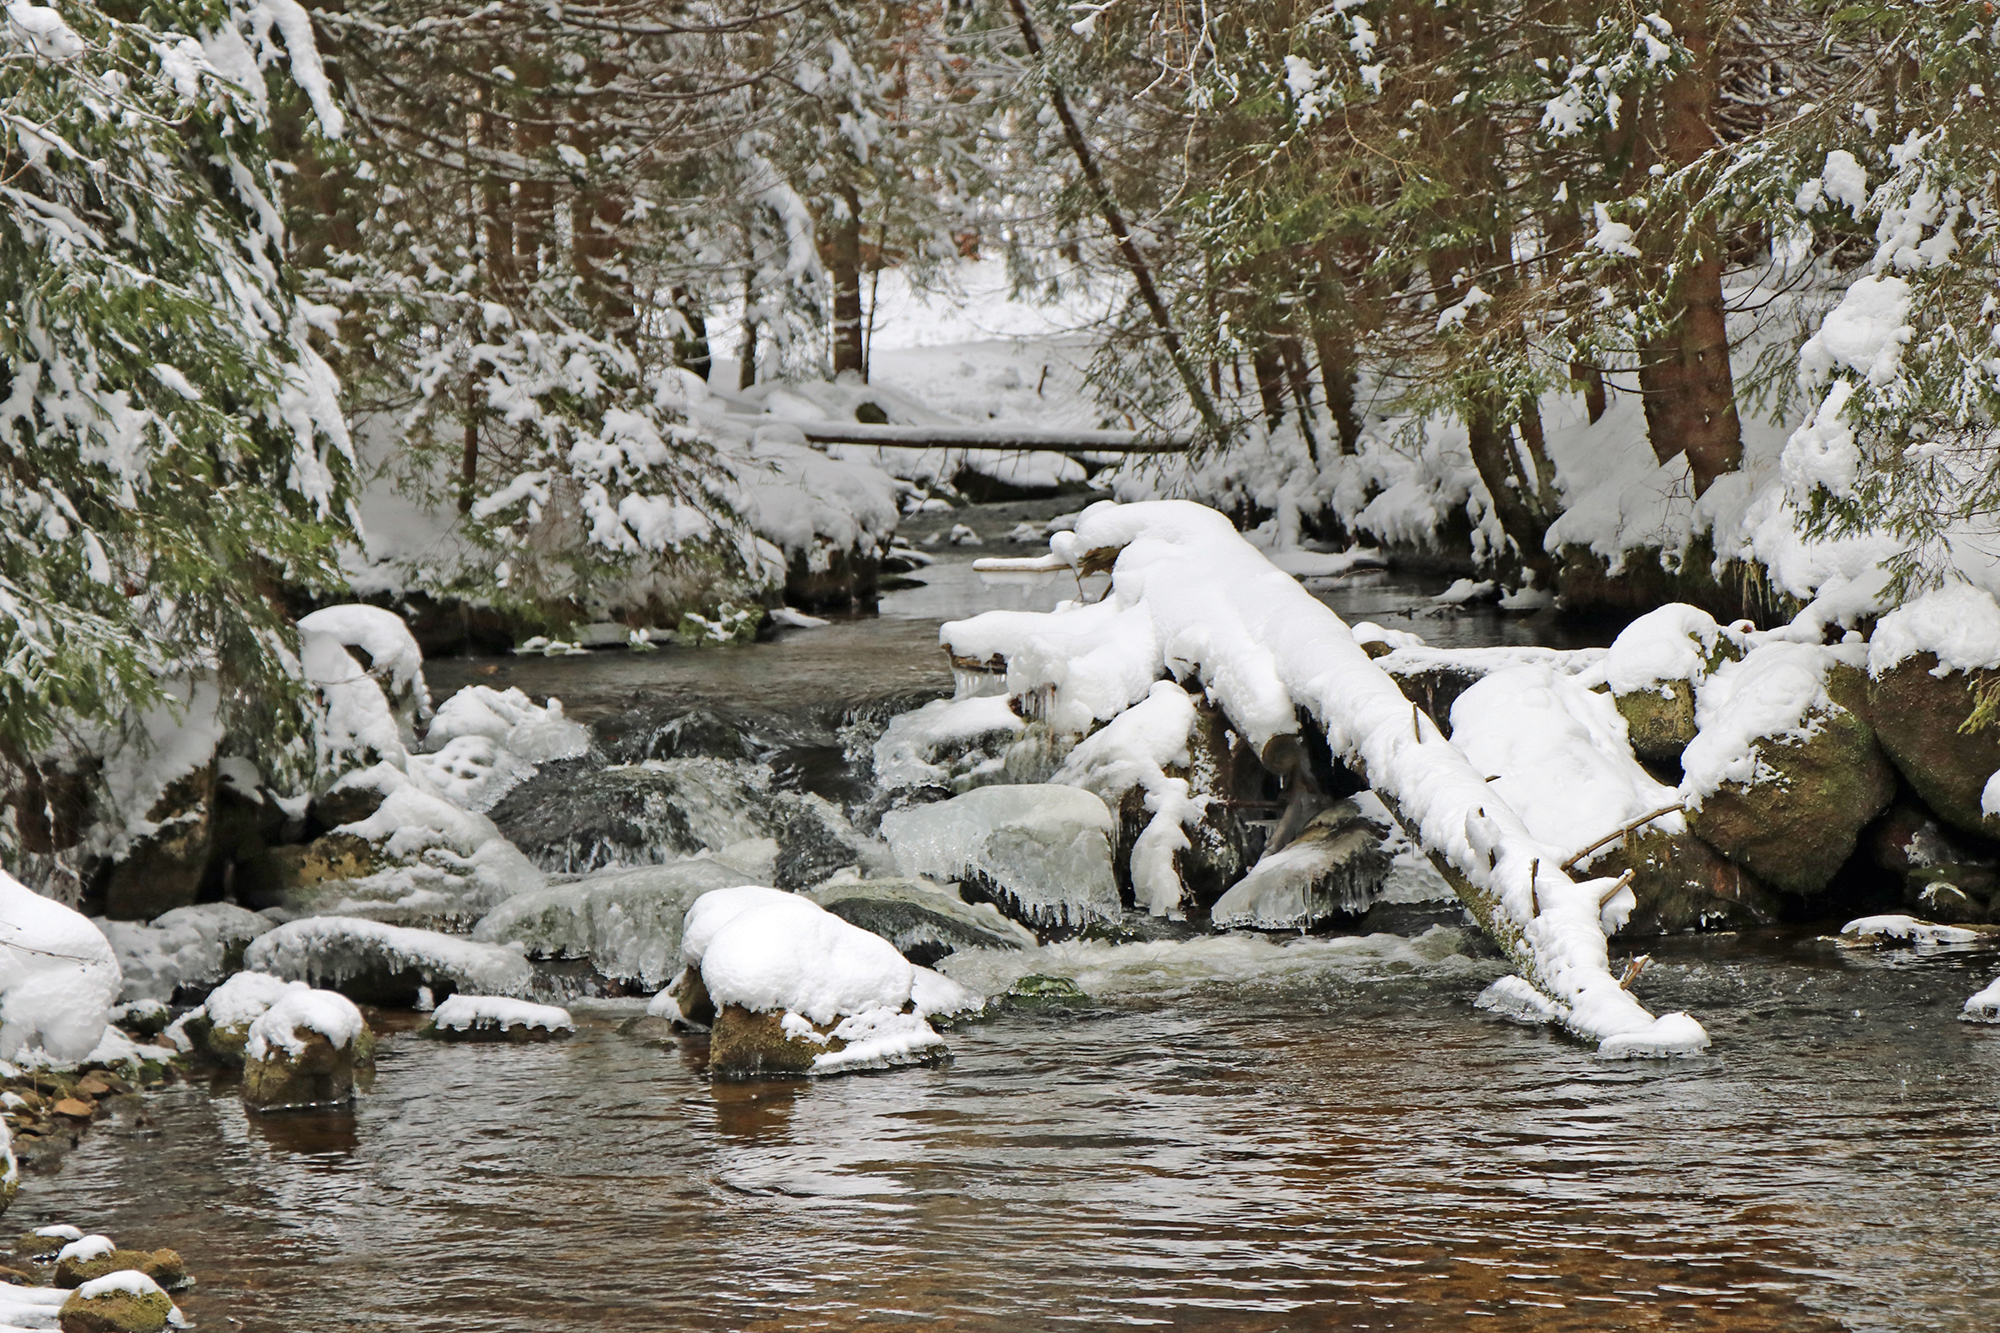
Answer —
1191 597
58 979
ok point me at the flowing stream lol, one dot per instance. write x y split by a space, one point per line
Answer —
1235 1135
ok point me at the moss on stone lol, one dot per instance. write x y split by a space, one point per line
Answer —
1659 720
163 1266
320 1074
744 1044
1917 719
117 1312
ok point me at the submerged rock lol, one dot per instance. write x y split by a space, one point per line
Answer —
302 1051
496 1018
1041 852
387 965
923 920
1334 868
121 1302
627 923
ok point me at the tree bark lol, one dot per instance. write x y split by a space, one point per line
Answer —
843 264
1684 373
1269 369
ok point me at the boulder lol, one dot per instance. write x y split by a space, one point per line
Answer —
1954 894
1041 852
1681 883
573 819
219 1027
1659 720
1334 868
164 868
626 923
387 965
797 990
923 920
164 1267
496 1018
184 952
122 1302
1918 709
45 1242
301 1053
1781 778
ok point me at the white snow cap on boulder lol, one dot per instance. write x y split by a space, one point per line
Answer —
58 978
1958 622
776 952
1671 642
326 1012
392 650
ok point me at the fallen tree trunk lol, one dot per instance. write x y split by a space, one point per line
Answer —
1190 597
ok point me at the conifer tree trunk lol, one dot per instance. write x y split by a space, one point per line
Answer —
844 267
1684 372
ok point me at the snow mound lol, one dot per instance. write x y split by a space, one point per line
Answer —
1557 754
1773 693
340 951
59 978
627 923
511 721
1044 850
1673 642
331 1015
185 947
1958 622
470 1013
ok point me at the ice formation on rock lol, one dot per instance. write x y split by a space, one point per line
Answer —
1042 851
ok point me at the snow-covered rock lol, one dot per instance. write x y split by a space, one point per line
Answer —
220 1025
59 978
1333 868
1983 1007
1041 851
626 922
387 965
1925 660
302 1051
485 742
1895 928
662 810
127 1301
797 990
1781 778
955 744
186 949
498 1018
1652 669
925 921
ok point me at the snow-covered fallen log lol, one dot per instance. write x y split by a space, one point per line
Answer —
1189 597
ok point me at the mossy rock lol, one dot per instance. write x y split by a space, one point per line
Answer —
164 869
1681 883
117 1312
1917 717
320 1075
31 1246
690 995
337 857
1952 895
743 1044
163 1266
1659 720
1797 824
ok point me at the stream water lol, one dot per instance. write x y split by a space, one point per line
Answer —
1234 1136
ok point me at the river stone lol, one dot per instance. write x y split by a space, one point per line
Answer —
1797 824
116 1312
1917 716
330 860
573 819
321 1074
164 869
924 921
743 1044
1659 720
1334 868
1681 883
1041 852
163 1266
627 923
